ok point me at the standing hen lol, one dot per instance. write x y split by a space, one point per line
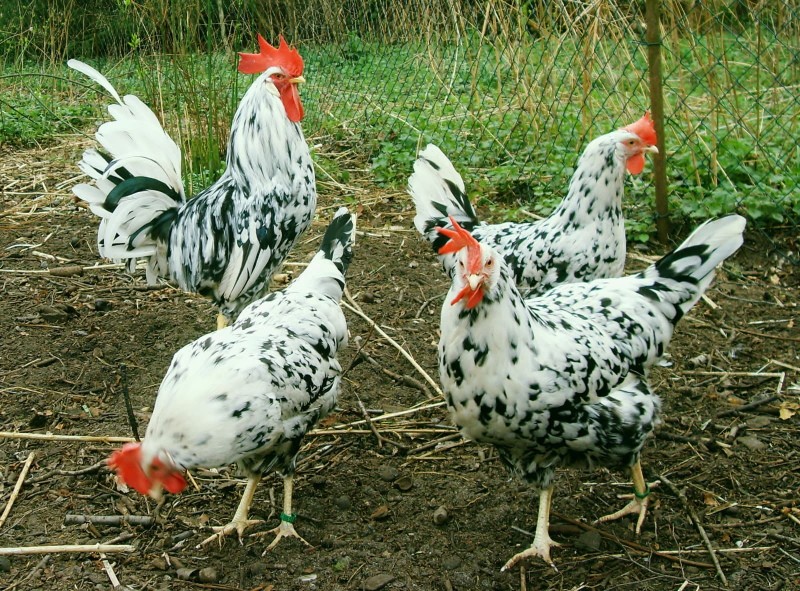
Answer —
584 237
561 379
248 393
227 241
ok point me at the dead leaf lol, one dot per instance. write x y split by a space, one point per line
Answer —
710 499
788 409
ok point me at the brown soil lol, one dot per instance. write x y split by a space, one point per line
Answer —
72 344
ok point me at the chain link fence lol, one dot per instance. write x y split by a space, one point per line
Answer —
511 90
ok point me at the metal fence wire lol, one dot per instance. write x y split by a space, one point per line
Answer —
512 91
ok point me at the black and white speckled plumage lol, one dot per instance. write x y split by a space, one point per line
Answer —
581 240
227 241
248 393
561 378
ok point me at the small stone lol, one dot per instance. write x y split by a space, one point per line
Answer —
404 483
376 582
159 563
440 516
451 563
208 575
52 314
74 242
186 574
380 513
343 502
255 569
318 481
5 564
101 305
368 297
758 422
388 473
752 443
589 540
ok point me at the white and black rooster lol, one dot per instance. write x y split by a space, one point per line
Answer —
584 237
561 379
228 240
248 393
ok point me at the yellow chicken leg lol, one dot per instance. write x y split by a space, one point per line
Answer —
541 539
240 522
286 527
639 499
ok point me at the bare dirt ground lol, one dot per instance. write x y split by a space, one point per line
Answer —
418 509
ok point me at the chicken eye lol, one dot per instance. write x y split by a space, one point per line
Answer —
490 262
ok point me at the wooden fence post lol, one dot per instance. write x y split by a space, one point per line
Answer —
653 36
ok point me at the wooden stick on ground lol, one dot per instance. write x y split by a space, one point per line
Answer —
355 309
71 519
70 549
693 516
17 487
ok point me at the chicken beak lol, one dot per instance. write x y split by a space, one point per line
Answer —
474 280
297 80
156 492
651 149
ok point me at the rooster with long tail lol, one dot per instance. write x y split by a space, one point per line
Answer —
227 241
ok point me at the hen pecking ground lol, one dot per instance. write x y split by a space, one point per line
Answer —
406 505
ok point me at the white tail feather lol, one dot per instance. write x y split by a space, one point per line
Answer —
431 185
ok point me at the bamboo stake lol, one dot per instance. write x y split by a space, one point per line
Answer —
17 487
653 36
73 549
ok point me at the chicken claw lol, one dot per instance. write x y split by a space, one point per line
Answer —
640 499
284 530
237 526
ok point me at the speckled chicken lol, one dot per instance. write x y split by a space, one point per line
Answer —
228 240
584 237
561 379
248 393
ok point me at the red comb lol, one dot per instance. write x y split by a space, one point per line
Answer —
461 238
645 129
284 56
127 463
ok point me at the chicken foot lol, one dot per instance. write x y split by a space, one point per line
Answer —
286 527
541 539
640 499
240 522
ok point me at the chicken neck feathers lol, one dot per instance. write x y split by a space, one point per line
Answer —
583 239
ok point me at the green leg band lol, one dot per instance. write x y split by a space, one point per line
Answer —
288 518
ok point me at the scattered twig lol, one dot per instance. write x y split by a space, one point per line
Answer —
69 549
693 516
632 545
93 468
112 576
755 333
403 379
17 487
355 309
746 407
31 575
123 372
71 519
51 437
786 539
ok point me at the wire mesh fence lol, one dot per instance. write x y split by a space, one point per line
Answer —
511 90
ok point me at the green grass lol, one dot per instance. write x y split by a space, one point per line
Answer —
513 120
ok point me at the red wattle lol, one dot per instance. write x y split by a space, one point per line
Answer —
635 164
290 97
